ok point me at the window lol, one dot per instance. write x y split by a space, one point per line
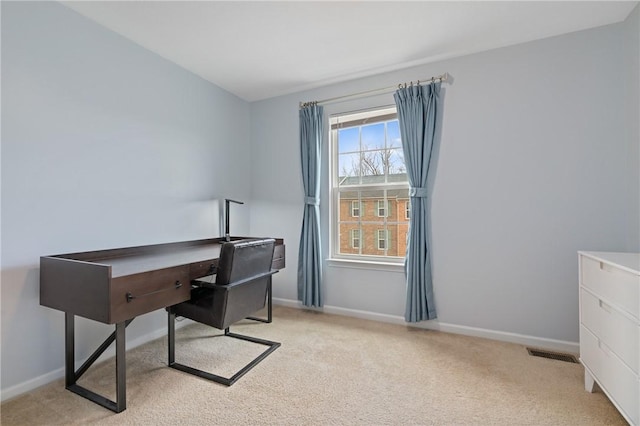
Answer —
383 239
355 238
407 209
355 208
383 208
369 187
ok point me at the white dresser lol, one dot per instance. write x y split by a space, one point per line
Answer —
610 327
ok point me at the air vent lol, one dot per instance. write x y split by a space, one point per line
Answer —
553 355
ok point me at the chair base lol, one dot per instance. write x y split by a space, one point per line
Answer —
227 381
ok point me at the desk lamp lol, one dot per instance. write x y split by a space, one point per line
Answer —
227 237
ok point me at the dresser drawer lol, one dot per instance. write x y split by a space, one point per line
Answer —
614 285
613 376
614 329
138 294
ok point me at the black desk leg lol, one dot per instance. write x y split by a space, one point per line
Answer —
171 335
121 369
69 350
72 376
269 306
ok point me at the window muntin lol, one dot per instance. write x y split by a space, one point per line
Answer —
368 177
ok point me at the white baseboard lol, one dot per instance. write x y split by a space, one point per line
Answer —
54 375
30 385
538 342
522 339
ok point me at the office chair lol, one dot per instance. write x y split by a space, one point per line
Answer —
240 288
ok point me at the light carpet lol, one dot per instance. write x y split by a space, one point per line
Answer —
330 370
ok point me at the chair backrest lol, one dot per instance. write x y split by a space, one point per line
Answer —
242 280
244 259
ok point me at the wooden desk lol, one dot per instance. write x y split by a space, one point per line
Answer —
114 286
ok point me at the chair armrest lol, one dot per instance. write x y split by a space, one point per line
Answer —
207 281
241 282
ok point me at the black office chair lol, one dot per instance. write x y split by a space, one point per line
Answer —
240 289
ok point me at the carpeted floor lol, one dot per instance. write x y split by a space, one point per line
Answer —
330 370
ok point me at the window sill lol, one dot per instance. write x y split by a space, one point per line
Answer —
366 264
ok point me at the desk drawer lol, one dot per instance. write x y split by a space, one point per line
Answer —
612 284
614 329
138 294
200 269
619 382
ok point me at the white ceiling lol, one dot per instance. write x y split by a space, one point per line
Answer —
263 49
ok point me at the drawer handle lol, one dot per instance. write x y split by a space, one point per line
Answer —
606 267
604 348
604 306
130 296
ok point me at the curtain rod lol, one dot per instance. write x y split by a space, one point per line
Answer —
442 78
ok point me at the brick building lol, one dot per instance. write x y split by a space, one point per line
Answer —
369 226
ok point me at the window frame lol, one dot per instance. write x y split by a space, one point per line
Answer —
335 189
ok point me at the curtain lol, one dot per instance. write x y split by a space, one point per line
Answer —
418 108
309 255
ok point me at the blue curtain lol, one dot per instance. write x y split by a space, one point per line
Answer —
309 255
418 108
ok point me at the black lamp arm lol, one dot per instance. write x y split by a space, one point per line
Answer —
227 236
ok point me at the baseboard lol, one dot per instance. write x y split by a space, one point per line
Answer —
521 339
29 385
538 342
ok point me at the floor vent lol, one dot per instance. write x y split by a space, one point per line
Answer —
553 355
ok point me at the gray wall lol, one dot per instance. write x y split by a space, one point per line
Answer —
104 144
538 160
632 114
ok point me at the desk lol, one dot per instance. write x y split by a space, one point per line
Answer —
114 286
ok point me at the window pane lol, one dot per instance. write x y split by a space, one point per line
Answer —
396 162
347 232
346 202
373 166
373 136
349 169
348 140
371 197
396 170
393 135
